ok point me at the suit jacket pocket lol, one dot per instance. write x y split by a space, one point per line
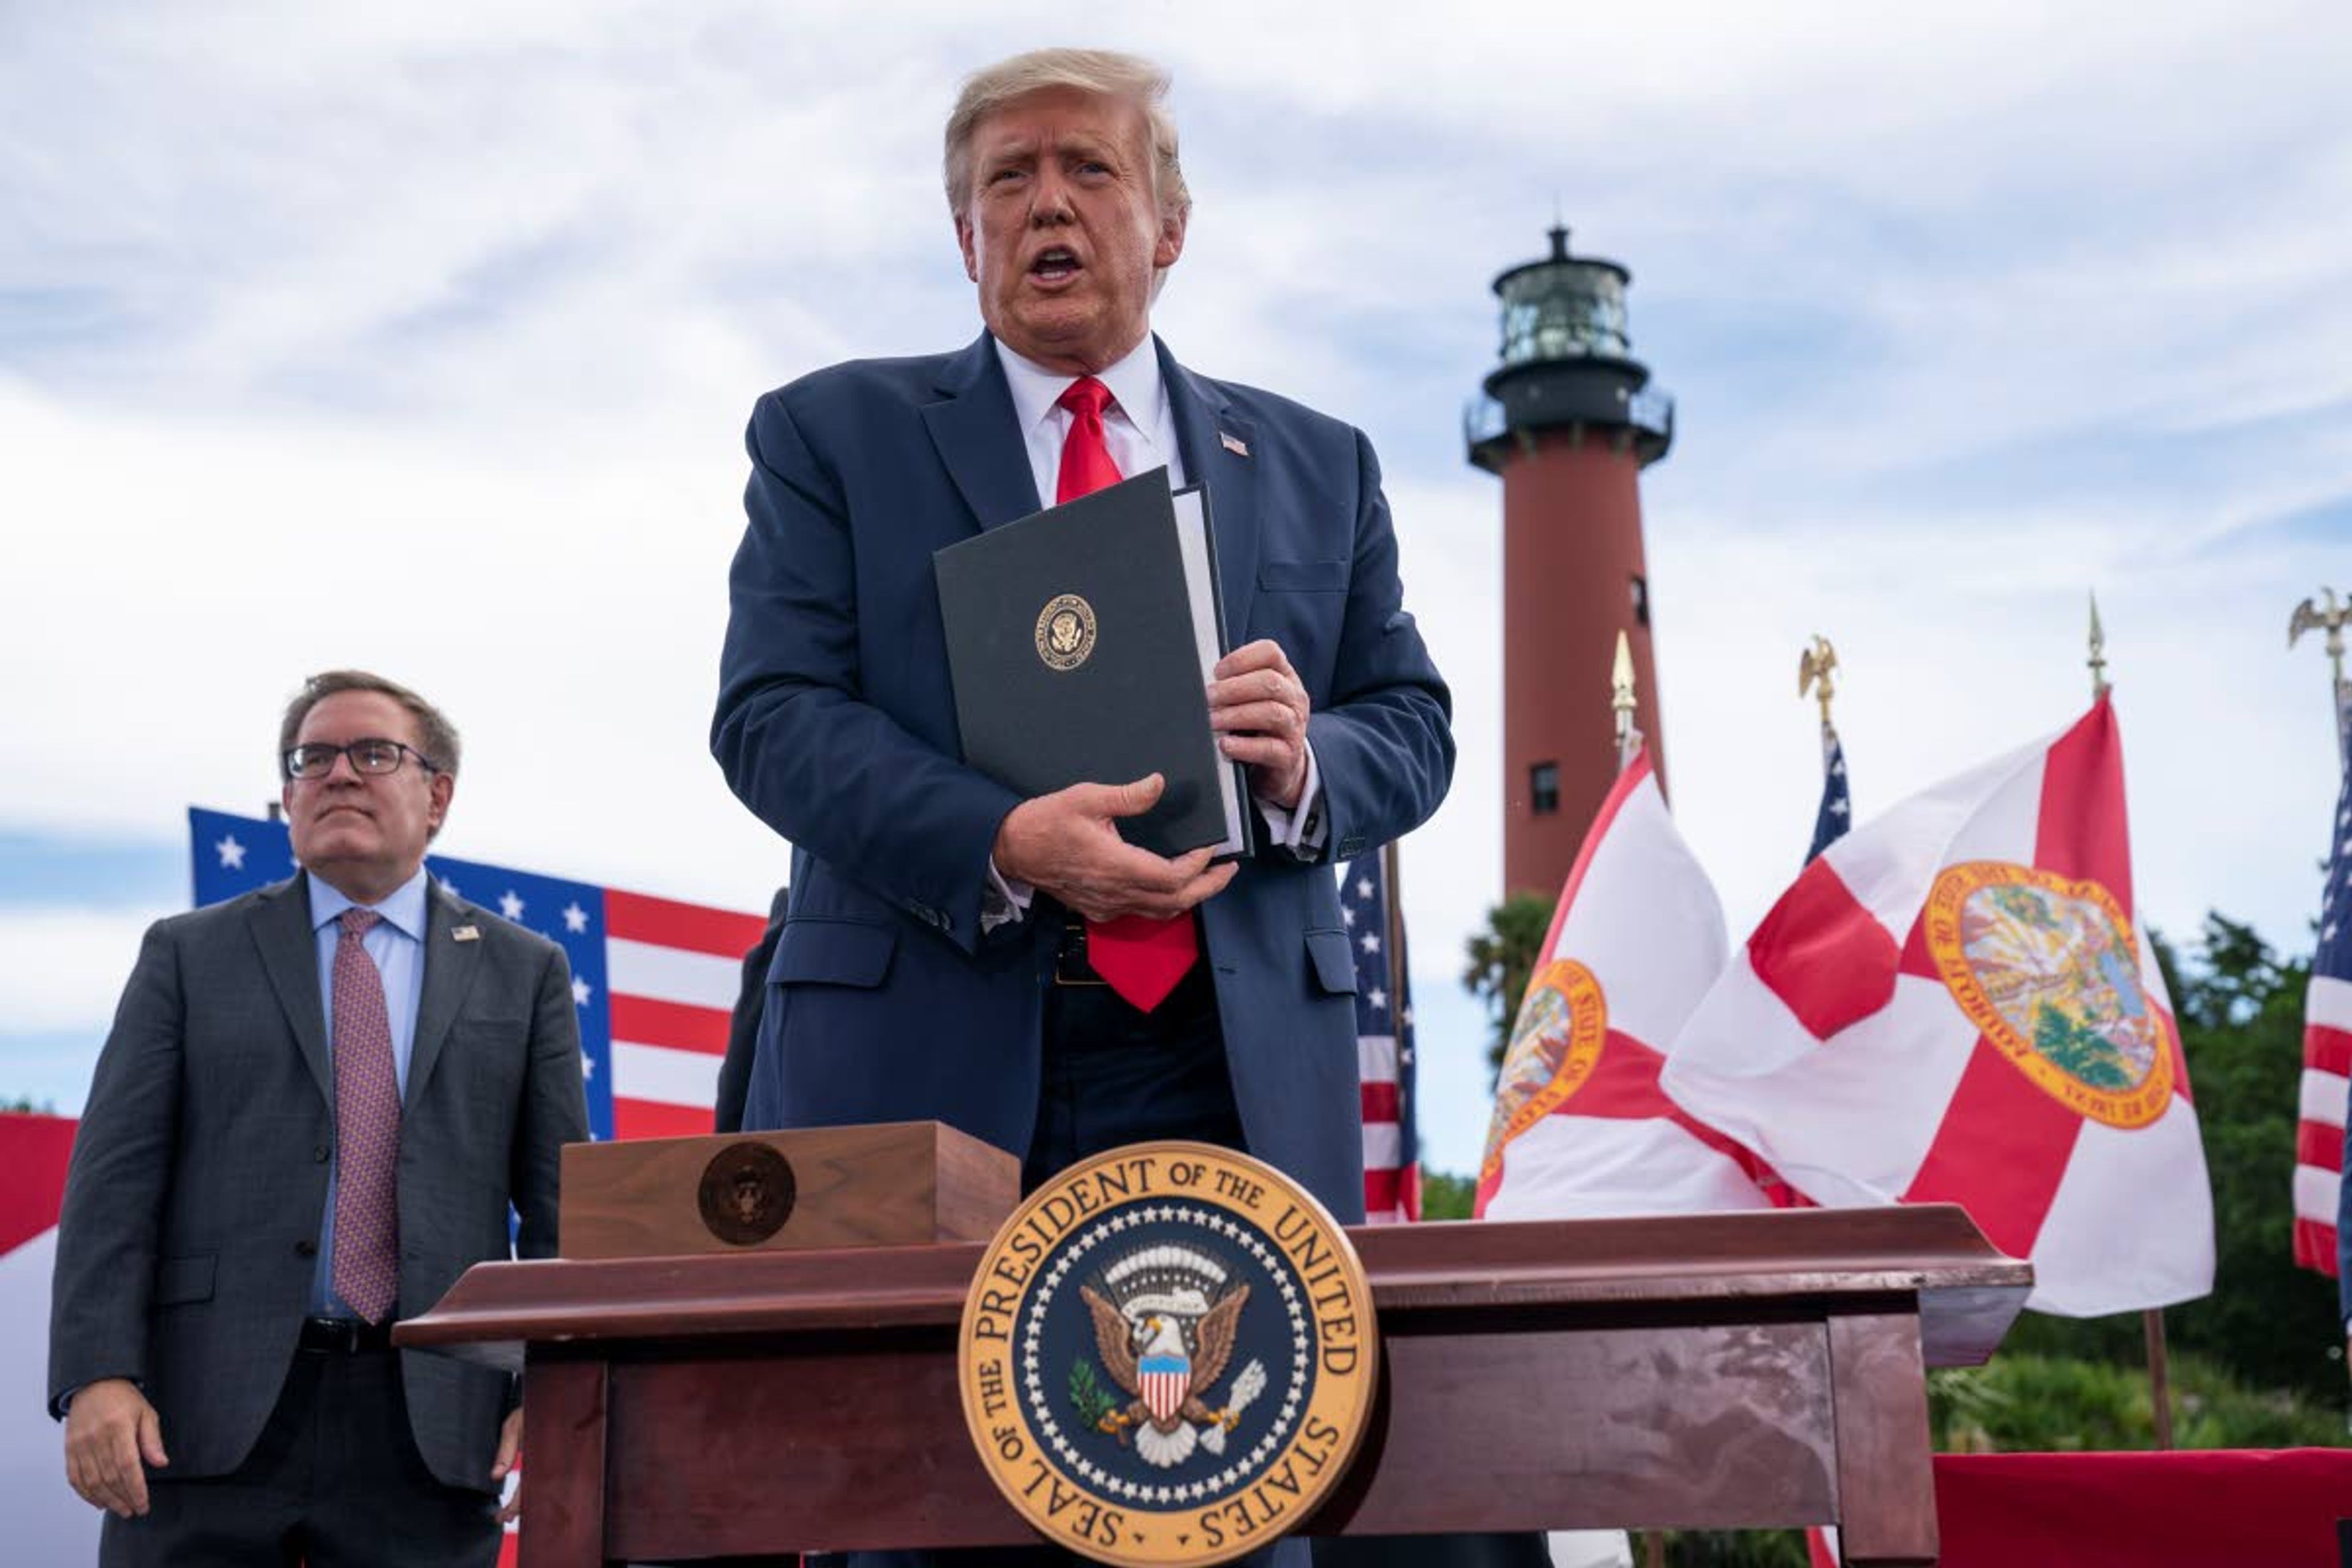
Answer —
1303 577
181 1281
813 951
1333 960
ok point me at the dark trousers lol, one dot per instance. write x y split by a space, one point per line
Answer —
334 1481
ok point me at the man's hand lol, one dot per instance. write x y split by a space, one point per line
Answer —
509 1451
1258 708
1067 843
109 1428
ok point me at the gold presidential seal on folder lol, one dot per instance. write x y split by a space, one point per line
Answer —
1167 1355
1066 631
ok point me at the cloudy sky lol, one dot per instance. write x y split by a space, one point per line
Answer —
422 339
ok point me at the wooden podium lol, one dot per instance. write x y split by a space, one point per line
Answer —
1753 1370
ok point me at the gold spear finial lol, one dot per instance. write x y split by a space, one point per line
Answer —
2098 652
2309 618
1621 701
1816 667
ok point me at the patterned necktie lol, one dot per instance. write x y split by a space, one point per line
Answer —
367 1130
1140 958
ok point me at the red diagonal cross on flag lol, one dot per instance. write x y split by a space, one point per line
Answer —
1956 1003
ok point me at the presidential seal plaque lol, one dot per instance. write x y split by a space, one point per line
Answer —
1066 631
746 1193
1167 1355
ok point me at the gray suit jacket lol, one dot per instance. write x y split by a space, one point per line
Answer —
188 1241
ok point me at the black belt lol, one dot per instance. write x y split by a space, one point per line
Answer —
344 1336
1071 966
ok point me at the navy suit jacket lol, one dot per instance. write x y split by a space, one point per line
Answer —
837 725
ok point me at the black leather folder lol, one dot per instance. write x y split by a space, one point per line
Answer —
1079 644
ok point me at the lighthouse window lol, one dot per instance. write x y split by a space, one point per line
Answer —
1641 585
1543 788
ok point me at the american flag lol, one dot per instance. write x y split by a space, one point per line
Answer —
1836 813
1383 1044
2327 1037
653 979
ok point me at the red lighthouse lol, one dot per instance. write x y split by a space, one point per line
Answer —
1569 420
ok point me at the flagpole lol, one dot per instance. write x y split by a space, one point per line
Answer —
2098 653
1395 939
1817 665
2159 1362
1621 703
1629 746
1390 861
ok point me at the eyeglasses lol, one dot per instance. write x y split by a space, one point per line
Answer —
373 756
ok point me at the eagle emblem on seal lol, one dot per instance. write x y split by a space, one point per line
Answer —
1165 1319
1066 631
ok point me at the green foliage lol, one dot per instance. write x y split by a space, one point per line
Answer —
1734 1549
2080 1049
2032 1404
1092 1400
24 1105
1501 959
1446 1196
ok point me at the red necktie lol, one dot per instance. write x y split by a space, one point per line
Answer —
1140 958
367 1130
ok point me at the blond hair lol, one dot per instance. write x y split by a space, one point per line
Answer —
1103 72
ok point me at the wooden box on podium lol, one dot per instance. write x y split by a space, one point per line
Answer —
898 1183
1698 1372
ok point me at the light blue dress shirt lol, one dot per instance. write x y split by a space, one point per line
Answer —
396 942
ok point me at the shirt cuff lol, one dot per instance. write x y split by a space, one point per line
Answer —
1300 829
1003 901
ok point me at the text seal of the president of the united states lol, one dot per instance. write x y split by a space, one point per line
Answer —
1167 1355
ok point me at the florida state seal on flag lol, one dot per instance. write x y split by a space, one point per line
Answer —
1956 1003
1580 1128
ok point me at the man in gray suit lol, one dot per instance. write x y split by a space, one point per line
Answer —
316 1105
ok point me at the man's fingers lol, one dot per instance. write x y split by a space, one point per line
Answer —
510 1446
1263 654
1257 685
1256 751
1164 889
511 1509
113 1455
130 1481
151 1438
92 1475
1258 718
1126 799
83 1478
1139 872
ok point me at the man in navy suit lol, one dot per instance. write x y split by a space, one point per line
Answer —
947 944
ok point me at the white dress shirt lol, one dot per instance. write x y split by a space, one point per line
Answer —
1140 429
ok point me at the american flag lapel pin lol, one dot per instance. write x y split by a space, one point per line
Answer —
1232 443
464 933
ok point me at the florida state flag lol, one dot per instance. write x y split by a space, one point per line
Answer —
1956 1003
1580 1128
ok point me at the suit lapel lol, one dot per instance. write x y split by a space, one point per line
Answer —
979 436
1204 419
449 967
280 923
